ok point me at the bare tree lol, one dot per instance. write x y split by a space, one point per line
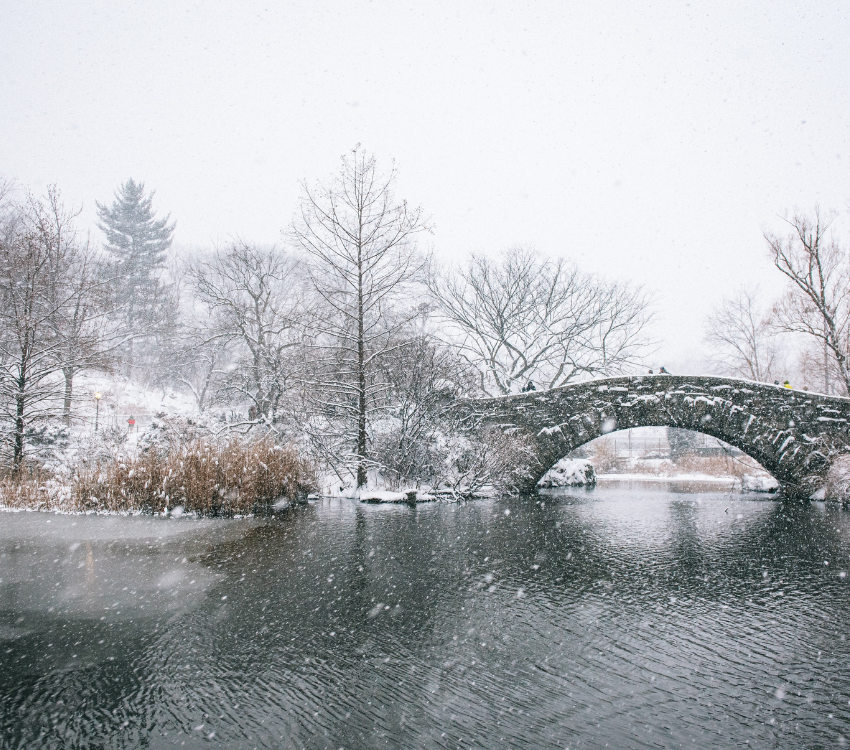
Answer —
360 246
254 300
522 317
739 330
818 301
52 318
27 346
202 363
78 295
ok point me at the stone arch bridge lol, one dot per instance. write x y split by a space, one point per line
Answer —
795 435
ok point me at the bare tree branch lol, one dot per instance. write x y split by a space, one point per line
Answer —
742 337
522 318
817 303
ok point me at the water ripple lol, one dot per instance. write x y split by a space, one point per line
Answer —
620 619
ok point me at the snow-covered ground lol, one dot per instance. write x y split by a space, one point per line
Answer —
121 399
59 449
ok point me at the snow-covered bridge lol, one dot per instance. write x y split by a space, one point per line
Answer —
795 435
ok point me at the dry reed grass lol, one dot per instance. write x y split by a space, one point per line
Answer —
207 478
605 461
604 458
31 491
726 465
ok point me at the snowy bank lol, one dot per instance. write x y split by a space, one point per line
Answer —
665 478
748 482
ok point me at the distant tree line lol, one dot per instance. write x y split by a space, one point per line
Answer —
347 338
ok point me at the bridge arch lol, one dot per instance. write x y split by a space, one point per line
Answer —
643 444
795 435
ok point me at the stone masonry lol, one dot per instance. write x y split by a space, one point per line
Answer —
795 435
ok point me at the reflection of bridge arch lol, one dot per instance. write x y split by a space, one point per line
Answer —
795 435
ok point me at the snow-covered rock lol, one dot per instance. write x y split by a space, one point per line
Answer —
837 486
569 472
759 483
386 496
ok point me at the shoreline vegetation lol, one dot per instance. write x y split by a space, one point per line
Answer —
201 477
240 477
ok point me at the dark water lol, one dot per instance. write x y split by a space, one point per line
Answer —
622 618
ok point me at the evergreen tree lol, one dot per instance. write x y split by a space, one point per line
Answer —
682 442
139 243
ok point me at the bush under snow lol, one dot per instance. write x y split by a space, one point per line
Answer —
759 483
569 472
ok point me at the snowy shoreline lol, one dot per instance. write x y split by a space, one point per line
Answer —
411 497
666 478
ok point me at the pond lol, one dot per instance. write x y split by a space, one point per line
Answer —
627 616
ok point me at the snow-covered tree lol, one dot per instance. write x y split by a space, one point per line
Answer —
360 245
77 294
28 346
423 379
682 442
25 343
52 312
138 243
253 302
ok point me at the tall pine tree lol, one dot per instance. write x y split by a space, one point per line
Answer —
139 243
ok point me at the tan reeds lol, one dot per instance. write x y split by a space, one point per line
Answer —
25 491
202 477
208 478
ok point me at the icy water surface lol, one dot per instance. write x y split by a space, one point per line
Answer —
623 618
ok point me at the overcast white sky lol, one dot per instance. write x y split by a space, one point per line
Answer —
649 141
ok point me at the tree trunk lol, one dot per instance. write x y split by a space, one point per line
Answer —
361 380
825 361
18 455
131 323
129 360
69 388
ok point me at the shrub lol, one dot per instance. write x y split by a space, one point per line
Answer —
489 460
